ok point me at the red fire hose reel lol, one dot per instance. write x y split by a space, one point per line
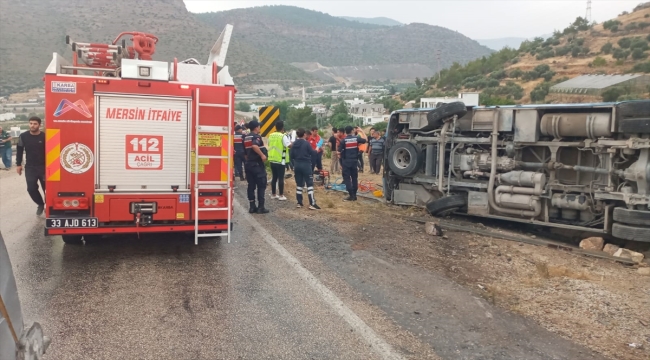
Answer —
109 55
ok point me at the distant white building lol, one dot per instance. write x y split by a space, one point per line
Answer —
469 98
356 101
254 107
7 116
368 113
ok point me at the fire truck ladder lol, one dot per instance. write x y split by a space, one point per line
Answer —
212 185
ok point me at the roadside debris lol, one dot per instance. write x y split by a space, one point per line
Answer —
611 249
432 228
592 243
636 346
629 254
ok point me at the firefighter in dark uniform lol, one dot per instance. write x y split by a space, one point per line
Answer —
240 153
349 155
256 155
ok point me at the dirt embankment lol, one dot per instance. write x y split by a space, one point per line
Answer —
597 303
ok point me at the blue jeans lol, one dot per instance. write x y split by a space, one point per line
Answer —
6 156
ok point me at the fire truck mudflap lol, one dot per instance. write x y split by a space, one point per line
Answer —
138 151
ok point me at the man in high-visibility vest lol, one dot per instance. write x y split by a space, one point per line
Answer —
279 145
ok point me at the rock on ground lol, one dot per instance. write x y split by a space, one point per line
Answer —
644 271
432 228
629 254
611 249
593 243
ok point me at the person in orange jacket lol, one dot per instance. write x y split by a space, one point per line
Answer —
363 147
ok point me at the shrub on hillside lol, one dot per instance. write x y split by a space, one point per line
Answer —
610 23
643 24
642 68
548 75
638 54
624 43
516 73
614 29
598 61
563 50
631 26
607 48
612 94
487 100
499 74
648 37
542 68
620 54
545 54
639 43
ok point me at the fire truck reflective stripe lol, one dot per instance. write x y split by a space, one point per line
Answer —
351 144
53 154
224 163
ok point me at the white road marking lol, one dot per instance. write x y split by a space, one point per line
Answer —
383 349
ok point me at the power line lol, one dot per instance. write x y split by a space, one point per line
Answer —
588 15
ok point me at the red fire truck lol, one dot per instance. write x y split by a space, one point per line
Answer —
135 145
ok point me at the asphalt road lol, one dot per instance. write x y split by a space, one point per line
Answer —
280 290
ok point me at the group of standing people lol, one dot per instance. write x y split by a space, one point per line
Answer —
374 147
303 152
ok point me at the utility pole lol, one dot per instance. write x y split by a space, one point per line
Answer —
438 57
588 15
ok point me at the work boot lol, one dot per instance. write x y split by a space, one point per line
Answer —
252 209
262 211
349 198
40 209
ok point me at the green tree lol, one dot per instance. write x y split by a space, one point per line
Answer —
284 109
418 83
243 106
624 43
516 73
620 54
607 48
638 54
391 104
301 118
598 61
612 94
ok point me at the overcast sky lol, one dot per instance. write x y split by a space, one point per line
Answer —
478 19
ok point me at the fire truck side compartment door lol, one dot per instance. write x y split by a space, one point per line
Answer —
142 143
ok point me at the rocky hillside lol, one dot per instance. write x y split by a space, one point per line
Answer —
620 45
265 39
296 35
31 30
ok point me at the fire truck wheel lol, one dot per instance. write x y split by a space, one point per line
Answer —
446 204
404 158
634 233
631 217
435 117
72 239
